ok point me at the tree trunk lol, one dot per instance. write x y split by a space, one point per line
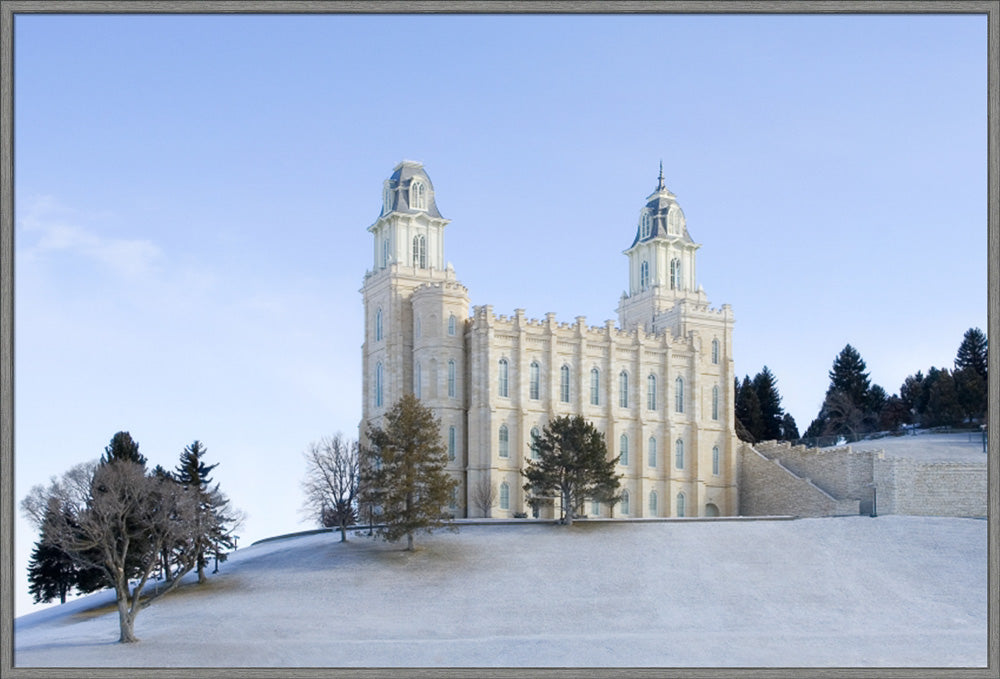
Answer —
409 542
343 533
567 509
126 619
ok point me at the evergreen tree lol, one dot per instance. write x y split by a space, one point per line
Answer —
972 353
848 376
789 431
911 393
765 386
51 572
877 399
122 447
748 410
405 474
573 464
970 390
212 532
943 407
894 413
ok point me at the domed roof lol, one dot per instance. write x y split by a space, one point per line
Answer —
661 217
397 194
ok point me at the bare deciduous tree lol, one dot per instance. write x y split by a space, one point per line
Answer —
119 522
332 479
484 496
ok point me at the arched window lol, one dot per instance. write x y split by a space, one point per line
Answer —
651 392
451 443
534 442
679 453
564 384
417 380
625 508
623 447
387 201
595 386
623 389
651 456
451 379
420 252
418 196
644 275
715 460
504 496
644 228
715 351
502 378
385 253
675 274
378 385
451 324
378 325
533 380
679 394
504 438
652 503
715 402
680 504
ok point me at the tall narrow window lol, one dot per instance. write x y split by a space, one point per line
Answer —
715 402
451 379
623 448
504 496
679 453
644 275
451 443
623 389
417 380
420 252
680 504
675 274
378 385
595 507
504 438
534 442
453 499
502 383
451 324
564 384
715 460
533 379
644 229
418 196
679 394
595 386
652 451
378 325
625 498
652 503
715 351
385 253
651 392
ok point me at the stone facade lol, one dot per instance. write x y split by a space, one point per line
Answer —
659 385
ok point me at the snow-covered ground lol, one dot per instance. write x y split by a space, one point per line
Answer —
849 591
929 446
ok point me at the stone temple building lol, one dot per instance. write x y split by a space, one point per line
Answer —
659 384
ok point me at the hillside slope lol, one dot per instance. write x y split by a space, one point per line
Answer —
852 591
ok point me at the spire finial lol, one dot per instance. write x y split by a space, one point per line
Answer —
659 185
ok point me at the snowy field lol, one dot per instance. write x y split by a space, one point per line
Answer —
851 591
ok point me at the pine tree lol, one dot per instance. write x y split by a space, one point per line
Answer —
894 413
765 385
848 376
51 572
943 407
404 475
748 410
789 430
573 464
971 392
877 399
973 353
211 532
122 447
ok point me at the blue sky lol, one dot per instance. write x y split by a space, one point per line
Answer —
193 192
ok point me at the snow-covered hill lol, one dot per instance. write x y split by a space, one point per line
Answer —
853 591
